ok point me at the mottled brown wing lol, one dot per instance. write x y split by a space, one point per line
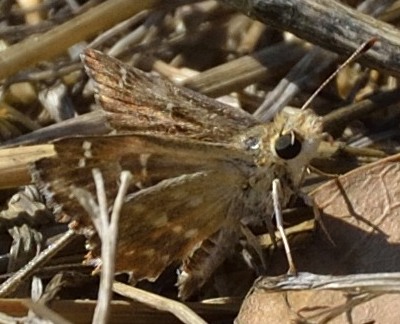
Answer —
166 222
162 220
138 101
150 158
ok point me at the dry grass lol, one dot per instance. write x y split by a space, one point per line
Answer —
215 50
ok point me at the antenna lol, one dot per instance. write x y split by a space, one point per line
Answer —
359 51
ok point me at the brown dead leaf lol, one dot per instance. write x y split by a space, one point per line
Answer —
361 211
312 306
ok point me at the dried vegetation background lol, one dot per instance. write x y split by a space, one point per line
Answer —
349 276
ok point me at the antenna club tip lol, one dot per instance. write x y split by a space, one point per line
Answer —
369 43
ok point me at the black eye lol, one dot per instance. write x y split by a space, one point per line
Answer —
287 146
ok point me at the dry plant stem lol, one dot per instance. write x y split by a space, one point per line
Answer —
375 7
118 29
108 234
32 16
44 312
361 283
371 139
252 37
14 164
305 71
145 30
93 123
360 151
181 311
57 40
327 150
312 64
330 25
392 14
81 311
265 240
12 283
51 73
5 319
339 118
102 310
239 73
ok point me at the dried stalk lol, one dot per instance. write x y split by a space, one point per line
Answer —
57 40
331 25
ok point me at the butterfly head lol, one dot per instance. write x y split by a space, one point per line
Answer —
296 140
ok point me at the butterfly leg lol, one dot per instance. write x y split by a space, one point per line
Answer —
309 201
255 244
276 192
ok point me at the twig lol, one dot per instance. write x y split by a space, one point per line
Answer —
339 118
361 283
14 163
117 29
248 69
44 312
331 25
12 283
93 123
306 70
181 311
108 235
57 40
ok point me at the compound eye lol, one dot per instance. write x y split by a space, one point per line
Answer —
288 146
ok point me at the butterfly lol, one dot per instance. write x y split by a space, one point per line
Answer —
201 169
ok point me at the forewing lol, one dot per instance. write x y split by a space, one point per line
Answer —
138 101
150 158
180 194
